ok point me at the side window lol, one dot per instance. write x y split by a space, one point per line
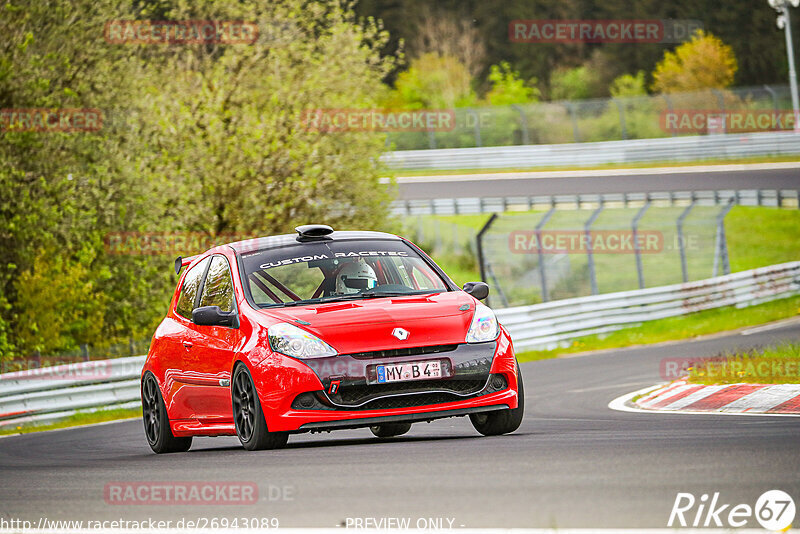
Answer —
218 289
191 283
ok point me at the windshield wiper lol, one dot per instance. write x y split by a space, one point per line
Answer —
372 293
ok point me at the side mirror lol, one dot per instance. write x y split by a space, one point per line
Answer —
479 290
214 316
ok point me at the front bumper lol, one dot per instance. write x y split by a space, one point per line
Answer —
342 391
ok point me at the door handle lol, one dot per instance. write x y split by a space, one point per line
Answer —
187 344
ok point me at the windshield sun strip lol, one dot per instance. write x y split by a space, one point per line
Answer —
449 285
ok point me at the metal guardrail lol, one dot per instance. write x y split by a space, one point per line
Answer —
52 393
689 148
551 324
783 198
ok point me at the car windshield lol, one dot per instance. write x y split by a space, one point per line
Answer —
326 271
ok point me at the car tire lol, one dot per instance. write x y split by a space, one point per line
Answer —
501 421
251 427
156 422
390 430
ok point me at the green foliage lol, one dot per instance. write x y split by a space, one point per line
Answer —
57 305
433 82
628 85
705 62
195 138
748 26
571 84
507 88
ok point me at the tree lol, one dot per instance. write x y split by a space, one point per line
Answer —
448 34
705 62
628 85
433 81
507 88
572 84
203 138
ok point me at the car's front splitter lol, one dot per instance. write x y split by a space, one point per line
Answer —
308 420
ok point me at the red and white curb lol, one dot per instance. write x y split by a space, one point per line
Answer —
727 399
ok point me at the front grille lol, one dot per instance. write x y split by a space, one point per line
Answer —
360 393
408 401
410 351
386 400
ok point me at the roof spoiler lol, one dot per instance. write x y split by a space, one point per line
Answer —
183 262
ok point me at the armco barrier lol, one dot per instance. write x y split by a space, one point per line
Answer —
51 393
546 326
689 148
776 198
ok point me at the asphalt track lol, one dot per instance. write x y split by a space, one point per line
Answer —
573 463
780 176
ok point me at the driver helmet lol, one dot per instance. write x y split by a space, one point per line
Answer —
354 277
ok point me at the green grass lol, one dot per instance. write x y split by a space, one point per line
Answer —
779 364
80 418
762 236
648 165
677 328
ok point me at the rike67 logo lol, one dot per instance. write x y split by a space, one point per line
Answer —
774 510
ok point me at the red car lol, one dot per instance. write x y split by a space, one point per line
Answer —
319 331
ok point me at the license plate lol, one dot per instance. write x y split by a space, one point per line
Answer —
401 372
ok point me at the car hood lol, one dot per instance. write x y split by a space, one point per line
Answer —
367 325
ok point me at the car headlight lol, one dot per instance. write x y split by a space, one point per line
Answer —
293 341
484 325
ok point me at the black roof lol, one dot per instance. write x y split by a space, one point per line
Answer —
261 243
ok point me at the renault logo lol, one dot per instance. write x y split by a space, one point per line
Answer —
400 334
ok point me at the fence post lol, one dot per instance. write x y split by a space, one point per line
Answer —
721 102
589 255
431 139
523 122
621 118
681 244
503 298
572 115
542 275
670 110
721 241
774 96
637 251
479 245
474 115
